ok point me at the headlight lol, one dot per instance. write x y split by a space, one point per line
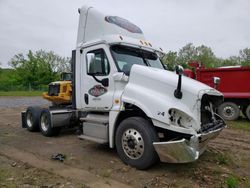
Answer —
179 118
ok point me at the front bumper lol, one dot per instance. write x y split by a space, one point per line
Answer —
184 151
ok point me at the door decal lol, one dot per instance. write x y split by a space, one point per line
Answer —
97 91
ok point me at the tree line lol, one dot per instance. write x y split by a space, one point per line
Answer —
35 70
204 55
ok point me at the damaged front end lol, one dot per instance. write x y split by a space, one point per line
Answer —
187 148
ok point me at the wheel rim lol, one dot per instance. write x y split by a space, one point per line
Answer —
228 111
44 122
30 119
132 144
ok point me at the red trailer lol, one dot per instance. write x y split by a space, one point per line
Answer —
234 84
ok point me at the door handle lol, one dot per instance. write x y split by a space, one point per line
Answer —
86 98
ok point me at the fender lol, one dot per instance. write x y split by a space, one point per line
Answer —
155 95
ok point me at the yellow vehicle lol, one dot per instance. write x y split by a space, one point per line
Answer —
60 92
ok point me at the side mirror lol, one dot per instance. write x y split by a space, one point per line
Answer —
105 82
90 62
179 69
216 81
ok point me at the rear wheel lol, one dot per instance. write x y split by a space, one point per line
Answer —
229 111
248 112
134 142
32 118
244 111
45 124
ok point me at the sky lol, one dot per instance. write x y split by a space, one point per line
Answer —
223 25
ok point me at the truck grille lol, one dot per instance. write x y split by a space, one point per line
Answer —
208 122
54 89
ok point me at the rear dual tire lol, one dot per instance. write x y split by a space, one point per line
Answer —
45 124
32 116
37 119
246 111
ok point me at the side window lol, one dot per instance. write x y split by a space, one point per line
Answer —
99 64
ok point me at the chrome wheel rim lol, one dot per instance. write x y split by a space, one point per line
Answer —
44 122
132 144
228 111
30 119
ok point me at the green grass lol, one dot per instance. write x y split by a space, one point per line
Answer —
223 159
106 173
21 93
231 182
242 124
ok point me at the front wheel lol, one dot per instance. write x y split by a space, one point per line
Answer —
229 111
45 124
134 142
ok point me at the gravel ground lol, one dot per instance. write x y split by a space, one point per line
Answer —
224 164
11 102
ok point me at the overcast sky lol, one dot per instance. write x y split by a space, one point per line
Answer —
223 25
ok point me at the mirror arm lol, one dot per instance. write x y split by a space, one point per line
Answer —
178 92
99 81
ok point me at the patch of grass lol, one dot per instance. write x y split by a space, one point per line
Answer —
21 93
106 173
3 175
223 159
231 182
241 124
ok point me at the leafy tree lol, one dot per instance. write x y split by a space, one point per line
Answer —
231 61
187 53
39 68
170 60
244 56
206 56
202 54
7 79
57 63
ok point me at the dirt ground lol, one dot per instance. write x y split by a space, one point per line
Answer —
25 161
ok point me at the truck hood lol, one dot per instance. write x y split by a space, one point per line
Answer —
152 90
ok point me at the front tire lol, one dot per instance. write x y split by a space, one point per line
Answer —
45 124
229 111
134 142
32 116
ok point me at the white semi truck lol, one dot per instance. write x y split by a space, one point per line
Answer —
123 95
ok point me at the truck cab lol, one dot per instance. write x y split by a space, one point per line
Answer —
122 95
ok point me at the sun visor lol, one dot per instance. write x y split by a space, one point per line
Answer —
95 25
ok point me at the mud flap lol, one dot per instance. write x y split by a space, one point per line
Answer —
23 119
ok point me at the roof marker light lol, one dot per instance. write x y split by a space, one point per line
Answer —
141 42
121 37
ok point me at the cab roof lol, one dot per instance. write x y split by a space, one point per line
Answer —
96 27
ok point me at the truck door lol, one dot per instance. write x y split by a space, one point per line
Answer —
96 80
